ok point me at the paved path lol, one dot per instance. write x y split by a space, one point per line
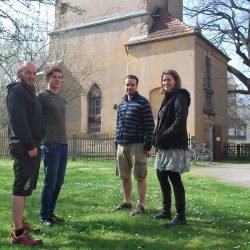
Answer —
236 174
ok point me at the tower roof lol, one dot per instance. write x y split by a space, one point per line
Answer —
164 26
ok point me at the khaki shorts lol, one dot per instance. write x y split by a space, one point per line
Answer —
131 156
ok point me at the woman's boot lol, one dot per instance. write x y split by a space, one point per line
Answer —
180 218
166 203
166 197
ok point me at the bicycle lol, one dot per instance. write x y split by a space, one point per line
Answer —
192 155
205 155
194 151
200 153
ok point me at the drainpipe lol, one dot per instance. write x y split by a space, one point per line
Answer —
127 52
164 4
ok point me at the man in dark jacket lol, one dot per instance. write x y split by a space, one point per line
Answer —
25 133
133 137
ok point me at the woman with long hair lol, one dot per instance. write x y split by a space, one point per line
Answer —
171 141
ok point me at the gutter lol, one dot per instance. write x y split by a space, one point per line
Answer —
140 42
97 23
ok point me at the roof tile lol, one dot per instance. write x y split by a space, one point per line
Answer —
165 26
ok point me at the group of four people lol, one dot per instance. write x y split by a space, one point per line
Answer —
37 129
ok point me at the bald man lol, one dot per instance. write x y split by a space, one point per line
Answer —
25 133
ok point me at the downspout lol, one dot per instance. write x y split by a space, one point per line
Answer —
127 52
164 6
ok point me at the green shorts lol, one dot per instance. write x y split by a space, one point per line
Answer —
131 156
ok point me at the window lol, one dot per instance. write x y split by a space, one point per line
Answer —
95 106
208 102
208 73
208 107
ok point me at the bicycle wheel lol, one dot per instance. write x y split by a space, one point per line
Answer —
192 156
210 157
206 155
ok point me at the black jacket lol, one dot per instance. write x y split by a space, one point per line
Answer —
25 118
171 129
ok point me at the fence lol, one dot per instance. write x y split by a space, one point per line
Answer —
80 146
92 146
236 151
4 151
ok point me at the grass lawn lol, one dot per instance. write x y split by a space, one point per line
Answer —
218 214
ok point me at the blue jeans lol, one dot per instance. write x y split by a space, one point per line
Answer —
55 160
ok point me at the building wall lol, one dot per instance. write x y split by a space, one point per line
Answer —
238 116
244 115
149 60
205 123
113 62
93 11
186 55
102 46
96 10
175 8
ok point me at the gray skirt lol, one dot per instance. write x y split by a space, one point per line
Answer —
176 160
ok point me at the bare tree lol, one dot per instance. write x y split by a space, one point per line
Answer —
77 76
3 112
226 24
244 108
25 27
238 109
24 35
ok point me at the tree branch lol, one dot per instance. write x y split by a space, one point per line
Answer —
241 77
238 91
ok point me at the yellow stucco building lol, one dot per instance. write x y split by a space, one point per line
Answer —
103 41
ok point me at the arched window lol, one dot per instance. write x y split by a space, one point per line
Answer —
95 107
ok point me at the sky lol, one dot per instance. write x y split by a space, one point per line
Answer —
236 61
16 11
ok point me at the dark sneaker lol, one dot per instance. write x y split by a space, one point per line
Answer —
49 222
25 239
176 221
163 215
122 206
56 218
27 227
138 210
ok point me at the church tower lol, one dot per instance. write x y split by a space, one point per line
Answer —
94 38
174 7
97 43
82 12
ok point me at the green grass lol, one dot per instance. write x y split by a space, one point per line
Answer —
218 214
